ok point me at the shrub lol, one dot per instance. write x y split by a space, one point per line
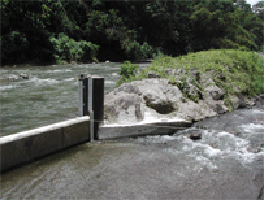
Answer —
127 72
67 49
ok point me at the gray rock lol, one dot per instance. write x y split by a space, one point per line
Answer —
206 80
192 90
234 101
215 92
260 104
195 112
175 71
241 101
12 77
195 74
161 106
219 109
161 98
195 134
128 88
188 87
170 71
123 102
24 76
158 94
260 97
181 71
153 75
217 106
236 89
253 150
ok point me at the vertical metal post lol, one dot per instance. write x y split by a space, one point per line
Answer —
80 91
90 107
90 94
91 125
85 97
98 103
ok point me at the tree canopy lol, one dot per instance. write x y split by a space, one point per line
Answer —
46 31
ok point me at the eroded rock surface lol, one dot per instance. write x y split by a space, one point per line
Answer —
160 98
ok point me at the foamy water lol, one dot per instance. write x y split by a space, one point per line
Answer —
253 127
58 71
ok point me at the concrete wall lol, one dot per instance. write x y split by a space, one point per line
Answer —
26 146
153 128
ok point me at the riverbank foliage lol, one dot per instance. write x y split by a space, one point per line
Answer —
127 72
49 31
242 69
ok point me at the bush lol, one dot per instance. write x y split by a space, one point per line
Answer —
127 72
67 49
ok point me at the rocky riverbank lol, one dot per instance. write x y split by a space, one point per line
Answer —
160 98
190 93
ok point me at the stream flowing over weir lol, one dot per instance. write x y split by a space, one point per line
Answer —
227 163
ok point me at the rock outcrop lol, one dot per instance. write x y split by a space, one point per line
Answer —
160 98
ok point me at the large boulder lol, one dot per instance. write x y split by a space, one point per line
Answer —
123 106
160 98
131 99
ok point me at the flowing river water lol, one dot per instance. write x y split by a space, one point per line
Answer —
227 163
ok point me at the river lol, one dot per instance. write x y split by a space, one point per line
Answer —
227 163
50 95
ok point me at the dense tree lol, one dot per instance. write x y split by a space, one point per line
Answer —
258 9
85 30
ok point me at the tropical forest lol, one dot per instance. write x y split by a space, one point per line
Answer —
42 32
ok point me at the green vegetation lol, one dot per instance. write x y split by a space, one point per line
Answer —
67 49
127 72
61 31
242 69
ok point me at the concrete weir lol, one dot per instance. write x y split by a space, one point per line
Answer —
142 129
26 146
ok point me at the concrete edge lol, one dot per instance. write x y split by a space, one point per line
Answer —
155 128
26 146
